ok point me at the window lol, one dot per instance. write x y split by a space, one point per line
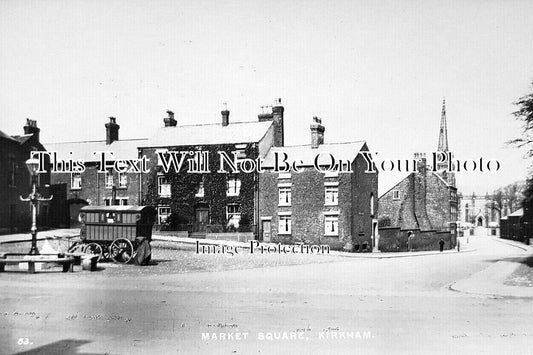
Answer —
234 186
163 213
12 165
396 194
240 150
453 213
200 192
122 180
75 182
331 225
163 186
233 215
332 195
122 201
110 217
372 205
285 224
109 180
284 195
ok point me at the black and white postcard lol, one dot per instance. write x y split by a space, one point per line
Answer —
266 177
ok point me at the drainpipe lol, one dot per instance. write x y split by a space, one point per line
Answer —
97 188
257 237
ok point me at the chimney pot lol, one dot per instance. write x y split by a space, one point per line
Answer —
31 128
170 121
317 132
111 130
225 117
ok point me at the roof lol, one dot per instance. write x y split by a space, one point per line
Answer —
340 151
121 149
517 213
214 133
23 138
6 136
115 208
414 172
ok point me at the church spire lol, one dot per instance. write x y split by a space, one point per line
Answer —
443 134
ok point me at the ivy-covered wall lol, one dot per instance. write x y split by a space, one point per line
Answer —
184 187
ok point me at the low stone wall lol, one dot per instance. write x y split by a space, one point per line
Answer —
392 239
395 239
430 241
180 234
334 243
238 236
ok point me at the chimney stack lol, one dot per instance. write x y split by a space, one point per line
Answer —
317 132
420 192
265 116
31 128
421 163
170 121
225 115
111 130
277 114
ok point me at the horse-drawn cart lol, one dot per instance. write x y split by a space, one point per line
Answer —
116 232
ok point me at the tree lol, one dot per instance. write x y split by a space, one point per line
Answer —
512 194
495 205
498 200
525 115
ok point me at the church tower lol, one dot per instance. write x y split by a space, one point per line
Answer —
443 135
443 145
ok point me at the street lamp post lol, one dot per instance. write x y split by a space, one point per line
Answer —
34 198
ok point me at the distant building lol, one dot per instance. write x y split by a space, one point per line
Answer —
95 187
515 227
313 207
15 215
480 211
422 208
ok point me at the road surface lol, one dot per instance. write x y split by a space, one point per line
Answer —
356 306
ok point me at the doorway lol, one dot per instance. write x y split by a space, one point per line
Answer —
265 227
375 235
74 210
202 219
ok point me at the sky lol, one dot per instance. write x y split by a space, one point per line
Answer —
373 71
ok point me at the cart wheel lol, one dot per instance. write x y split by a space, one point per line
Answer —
105 253
121 250
95 249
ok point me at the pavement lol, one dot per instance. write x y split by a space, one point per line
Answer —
68 233
41 235
440 303
490 281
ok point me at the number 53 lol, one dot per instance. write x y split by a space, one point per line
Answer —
23 341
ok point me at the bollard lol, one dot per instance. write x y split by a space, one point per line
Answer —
89 264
